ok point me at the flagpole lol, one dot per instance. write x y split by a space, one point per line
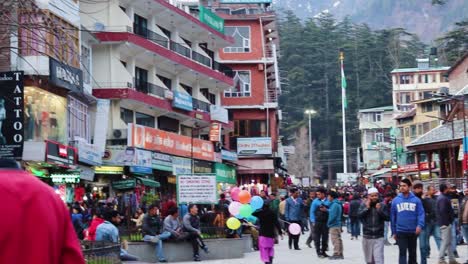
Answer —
343 109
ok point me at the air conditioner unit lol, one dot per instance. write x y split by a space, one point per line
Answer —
117 134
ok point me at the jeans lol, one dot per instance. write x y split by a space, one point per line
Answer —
321 237
386 228
125 256
355 227
159 246
311 234
464 229
454 243
446 235
407 244
348 225
197 242
424 240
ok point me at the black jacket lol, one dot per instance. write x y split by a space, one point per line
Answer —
354 206
373 220
151 225
429 205
445 213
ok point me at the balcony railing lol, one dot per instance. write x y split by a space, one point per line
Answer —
149 88
151 35
182 50
201 58
223 69
200 105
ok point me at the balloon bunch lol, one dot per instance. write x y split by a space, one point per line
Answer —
242 207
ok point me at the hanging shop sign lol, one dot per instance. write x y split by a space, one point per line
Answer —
11 114
171 143
225 173
87 173
181 166
65 178
200 166
124 184
228 155
143 158
215 132
141 170
65 76
119 156
109 170
182 100
161 161
219 113
59 154
196 189
254 146
211 19
89 154
414 167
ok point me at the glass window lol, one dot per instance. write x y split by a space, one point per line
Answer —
405 79
241 85
257 128
78 120
241 36
426 127
377 117
414 131
144 119
45 115
126 115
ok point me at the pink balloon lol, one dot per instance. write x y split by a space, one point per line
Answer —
235 193
234 208
294 229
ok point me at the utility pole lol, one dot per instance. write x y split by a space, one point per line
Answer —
310 112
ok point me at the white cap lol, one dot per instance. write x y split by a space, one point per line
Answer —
372 190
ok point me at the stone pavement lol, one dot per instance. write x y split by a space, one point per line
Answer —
352 252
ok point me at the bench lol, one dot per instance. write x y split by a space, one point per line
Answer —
222 248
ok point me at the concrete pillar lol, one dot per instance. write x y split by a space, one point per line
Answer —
152 23
152 74
131 66
175 83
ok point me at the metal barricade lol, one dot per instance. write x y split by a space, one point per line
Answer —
101 252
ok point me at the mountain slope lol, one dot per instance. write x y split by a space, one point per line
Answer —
417 16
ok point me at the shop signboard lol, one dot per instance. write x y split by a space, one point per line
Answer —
12 115
89 154
182 101
143 158
109 170
124 184
101 123
254 146
171 143
211 19
200 166
181 166
215 132
141 170
161 161
65 178
87 173
225 173
228 155
219 113
196 189
59 154
65 76
245 1
119 156
414 167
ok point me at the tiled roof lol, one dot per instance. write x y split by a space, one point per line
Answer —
441 133
407 114
376 109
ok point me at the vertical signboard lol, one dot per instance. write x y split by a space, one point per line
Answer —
211 19
12 111
196 189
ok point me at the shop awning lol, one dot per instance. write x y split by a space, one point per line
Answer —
381 173
255 166
149 182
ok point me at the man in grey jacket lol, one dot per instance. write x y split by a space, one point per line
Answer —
445 217
172 224
191 223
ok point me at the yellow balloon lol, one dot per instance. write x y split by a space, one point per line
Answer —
233 223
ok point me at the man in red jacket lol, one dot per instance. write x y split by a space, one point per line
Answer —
37 227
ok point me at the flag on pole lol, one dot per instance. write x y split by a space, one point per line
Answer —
343 87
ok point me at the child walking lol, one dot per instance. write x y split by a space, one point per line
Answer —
266 241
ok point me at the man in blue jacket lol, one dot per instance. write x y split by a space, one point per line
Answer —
407 218
292 213
319 219
445 216
334 225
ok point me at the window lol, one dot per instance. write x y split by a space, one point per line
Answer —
427 95
427 107
242 39
426 127
257 128
379 137
141 80
420 129
405 79
165 31
187 88
444 77
126 115
226 11
241 85
140 26
407 132
377 117
211 97
86 62
144 119
186 131
167 82
241 11
405 98
414 131
250 128
78 119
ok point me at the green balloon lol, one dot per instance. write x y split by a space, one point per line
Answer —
246 210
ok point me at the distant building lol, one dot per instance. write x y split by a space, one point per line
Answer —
414 84
458 76
375 125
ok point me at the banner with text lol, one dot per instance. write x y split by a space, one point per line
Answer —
196 189
254 146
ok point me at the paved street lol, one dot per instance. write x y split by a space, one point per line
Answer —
352 252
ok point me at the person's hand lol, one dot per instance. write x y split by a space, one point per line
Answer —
378 206
368 204
418 230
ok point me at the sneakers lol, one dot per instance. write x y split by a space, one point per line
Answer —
196 258
205 248
336 257
162 261
155 239
321 256
455 254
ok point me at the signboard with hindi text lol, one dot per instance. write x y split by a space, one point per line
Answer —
196 189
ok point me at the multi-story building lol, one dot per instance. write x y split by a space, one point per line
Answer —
375 125
414 84
157 65
253 100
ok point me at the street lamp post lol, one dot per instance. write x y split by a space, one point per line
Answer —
310 112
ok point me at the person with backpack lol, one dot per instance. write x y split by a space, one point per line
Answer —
354 206
319 220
